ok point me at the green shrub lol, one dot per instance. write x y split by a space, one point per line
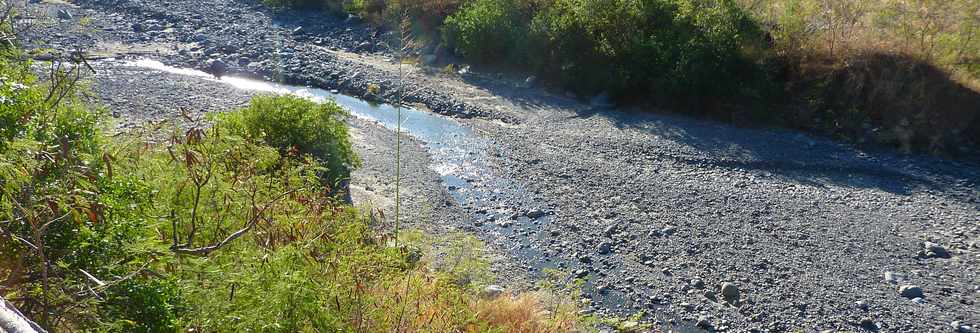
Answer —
18 97
143 305
488 31
682 51
292 123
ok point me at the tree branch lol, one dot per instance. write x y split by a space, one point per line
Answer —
205 250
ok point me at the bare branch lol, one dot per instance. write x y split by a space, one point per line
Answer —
203 251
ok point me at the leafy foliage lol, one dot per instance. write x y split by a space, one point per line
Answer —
229 227
295 123
674 49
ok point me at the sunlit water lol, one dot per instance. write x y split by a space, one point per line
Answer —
451 144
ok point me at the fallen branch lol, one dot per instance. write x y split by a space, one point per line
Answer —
12 321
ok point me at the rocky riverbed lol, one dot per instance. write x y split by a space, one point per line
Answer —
725 228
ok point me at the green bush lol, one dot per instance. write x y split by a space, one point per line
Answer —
681 51
488 31
294 124
17 98
143 305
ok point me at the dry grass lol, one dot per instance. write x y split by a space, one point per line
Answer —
529 313
899 72
945 33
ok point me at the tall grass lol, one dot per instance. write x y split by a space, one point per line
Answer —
944 33
903 73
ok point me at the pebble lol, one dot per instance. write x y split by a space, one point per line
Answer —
605 247
861 305
493 291
730 292
703 322
911 291
536 213
933 250
959 327
603 289
893 277
609 230
869 324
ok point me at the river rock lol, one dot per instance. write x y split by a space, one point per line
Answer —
530 81
892 277
933 250
730 293
605 247
364 47
535 213
609 230
959 327
492 291
65 14
868 324
353 19
217 67
603 289
703 322
910 291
